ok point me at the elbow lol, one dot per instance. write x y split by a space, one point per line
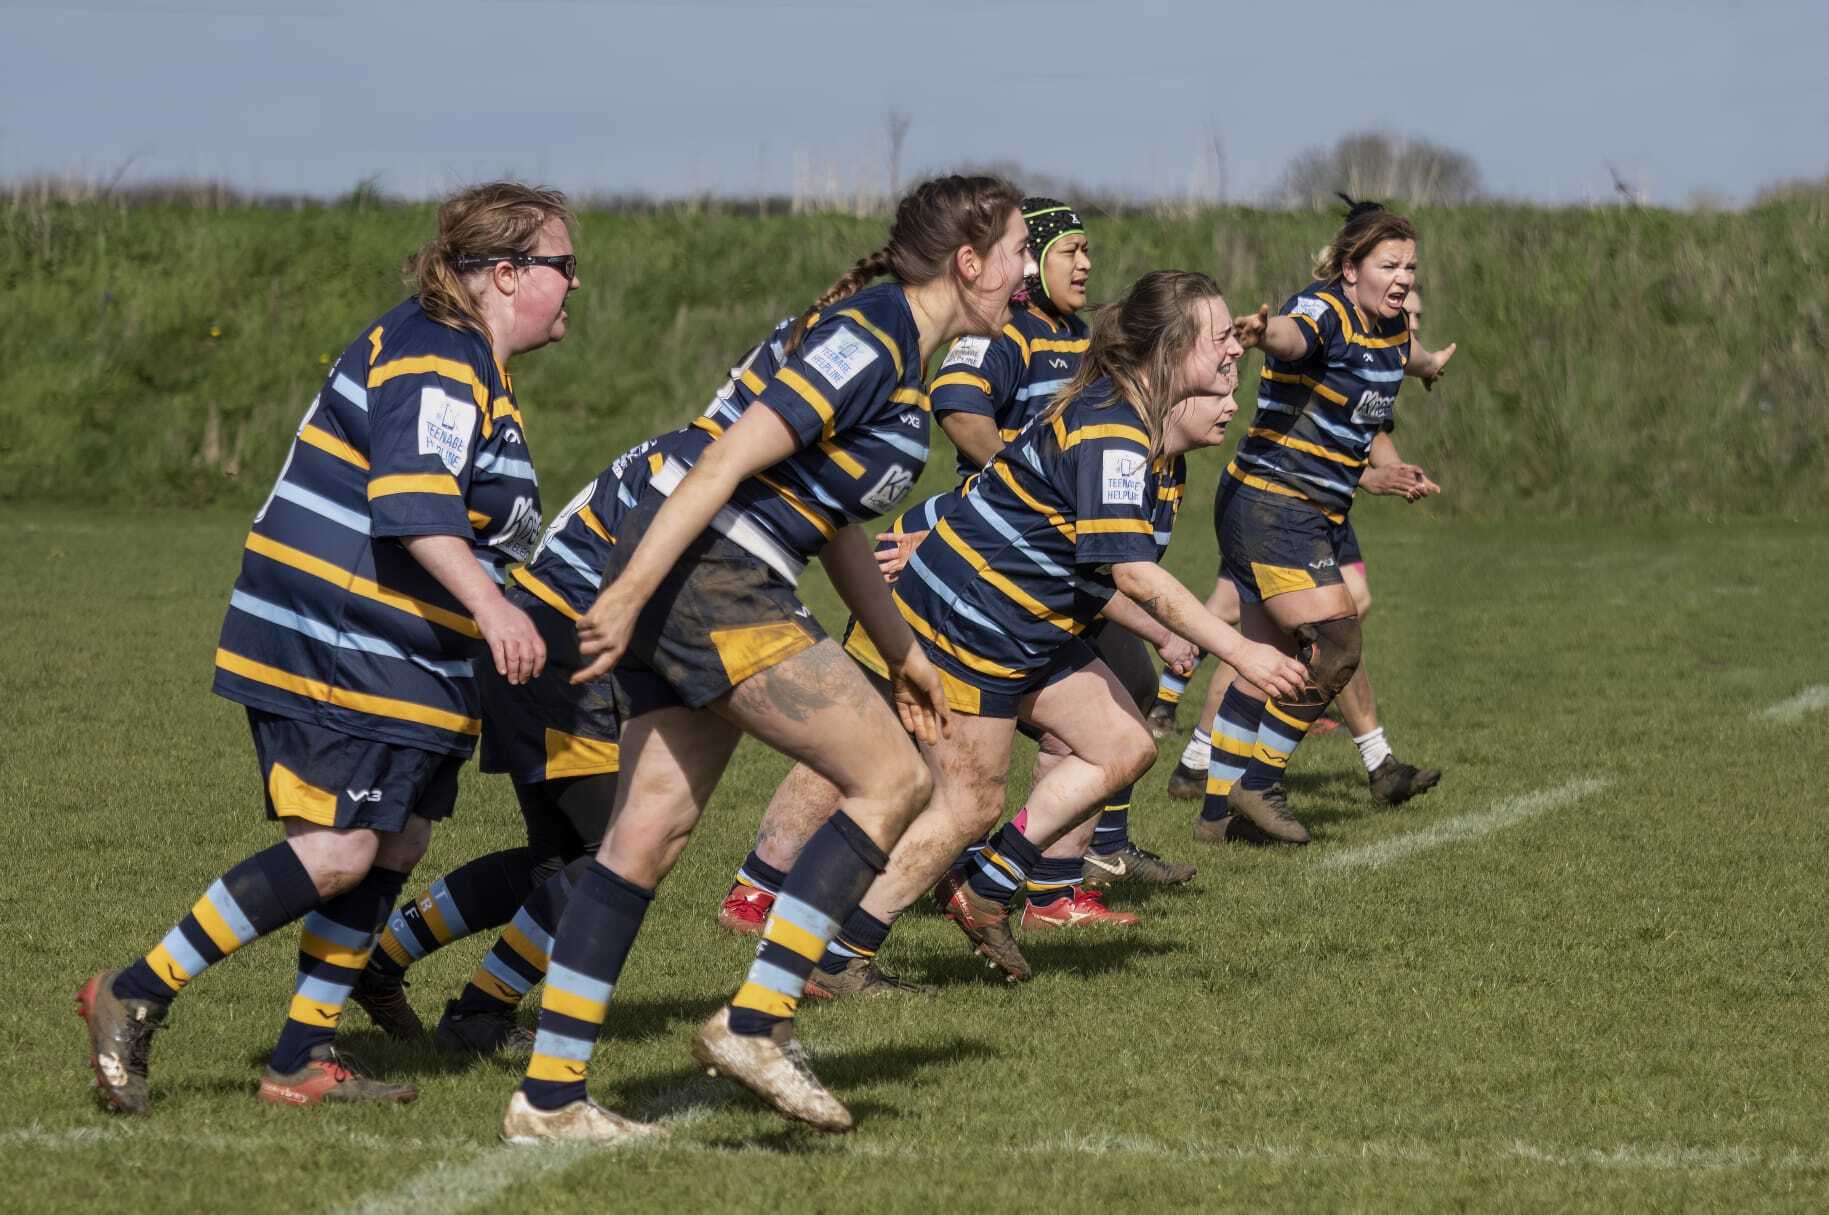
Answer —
1131 579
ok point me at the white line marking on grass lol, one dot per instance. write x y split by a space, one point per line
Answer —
449 1186
1508 812
1809 700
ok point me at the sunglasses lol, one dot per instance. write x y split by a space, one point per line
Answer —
564 263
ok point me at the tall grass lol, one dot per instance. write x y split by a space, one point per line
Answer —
1611 361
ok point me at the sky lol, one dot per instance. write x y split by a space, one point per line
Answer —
1148 98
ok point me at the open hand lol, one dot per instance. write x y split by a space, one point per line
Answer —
920 699
603 635
892 560
1250 329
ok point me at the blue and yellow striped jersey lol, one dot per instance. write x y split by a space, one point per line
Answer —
1011 377
851 393
1316 417
566 570
415 433
1020 559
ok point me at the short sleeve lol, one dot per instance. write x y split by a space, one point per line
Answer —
979 376
838 377
422 439
1317 321
1115 497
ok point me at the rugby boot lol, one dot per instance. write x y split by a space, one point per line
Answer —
1083 906
1268 811
483 1033
772 1066
985 923
745 910
1133 864
1229 829
1395 783
120 1042
861 977
1187 783
383 997
1160 719
329 1076
577 1122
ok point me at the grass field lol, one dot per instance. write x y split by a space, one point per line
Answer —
1587 971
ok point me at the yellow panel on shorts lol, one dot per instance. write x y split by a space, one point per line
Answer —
1280 579
860 647
569 755
293 798
961 695
754 648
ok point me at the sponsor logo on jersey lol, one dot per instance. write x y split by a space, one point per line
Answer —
840 357
1122 478
1373 408
967 352
445 427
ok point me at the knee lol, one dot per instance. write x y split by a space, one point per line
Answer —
1135 757
915 784
337 860
1330 648
1362 601
402 850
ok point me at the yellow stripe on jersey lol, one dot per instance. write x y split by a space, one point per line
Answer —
709 426
570 755
947 646
1353 336
820 522
414 483
344 698
895 351
750 380
1022 343
655 460
545 594
479 522
841 457
1313 449
1011 591
962 377
450 369
1271 487
323 440
1085 434
1108 527
811 395
911 396
589 518
1285 377
336 575
1062 345
1055 519
374 345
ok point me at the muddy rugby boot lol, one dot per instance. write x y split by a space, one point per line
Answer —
383 997
1229 829
578 1122
985 923
1394 783
120 1042
1268 811
1187 783
772 1066
483 1033
329 1076
861 977
1161 719
1133 864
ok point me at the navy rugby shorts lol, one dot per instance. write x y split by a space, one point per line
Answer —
334 779
547 728
1270 545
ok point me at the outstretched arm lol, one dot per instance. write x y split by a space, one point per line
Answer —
920 698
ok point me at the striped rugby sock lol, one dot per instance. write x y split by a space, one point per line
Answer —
754 871
821 891
594 938
1053 879
475 897
1279 732
1002 867
520 956
333 946
1113 831
861 937
267 891
1234 736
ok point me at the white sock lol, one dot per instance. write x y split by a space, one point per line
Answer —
1198 753
1373 749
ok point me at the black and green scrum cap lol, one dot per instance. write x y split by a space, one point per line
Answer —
1049 219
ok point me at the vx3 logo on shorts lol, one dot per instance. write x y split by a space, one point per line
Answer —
359 796
1057 364
1323 564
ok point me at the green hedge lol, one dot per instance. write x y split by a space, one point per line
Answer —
1610 360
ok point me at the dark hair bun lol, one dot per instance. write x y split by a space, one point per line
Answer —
1355 209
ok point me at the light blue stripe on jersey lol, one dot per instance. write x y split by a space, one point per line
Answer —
491 463
558 1046
1370 373
950 596
1327 483
272 613
1046 388
580 985
563 552
351 391
905 445
1347 440
989 514
320 505
320 925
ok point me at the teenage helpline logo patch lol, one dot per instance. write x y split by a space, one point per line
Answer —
445 427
